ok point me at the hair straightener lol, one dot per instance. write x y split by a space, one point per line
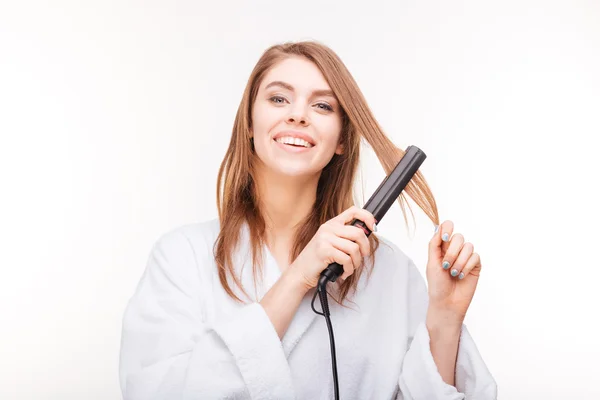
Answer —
380 202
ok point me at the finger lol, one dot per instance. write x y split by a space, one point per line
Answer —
356 235
350 248
447 228
344 260
456 244
437 241
461 260
472 267
356 213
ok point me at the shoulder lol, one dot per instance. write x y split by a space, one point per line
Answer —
193 240
198 234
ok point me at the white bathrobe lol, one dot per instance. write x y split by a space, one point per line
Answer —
185 338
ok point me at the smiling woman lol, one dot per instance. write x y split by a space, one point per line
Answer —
296 112
194 330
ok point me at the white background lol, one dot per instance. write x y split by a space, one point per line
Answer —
114 117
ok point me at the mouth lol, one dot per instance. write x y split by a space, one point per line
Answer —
292 141
294 146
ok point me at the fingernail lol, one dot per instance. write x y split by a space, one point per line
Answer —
374 227
461 276
454 272
446 265
445 237
437 228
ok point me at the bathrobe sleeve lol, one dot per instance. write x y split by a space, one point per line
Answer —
420 379
168 351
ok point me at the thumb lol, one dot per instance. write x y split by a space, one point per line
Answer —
435 244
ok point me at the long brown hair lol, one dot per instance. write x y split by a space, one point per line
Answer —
237 200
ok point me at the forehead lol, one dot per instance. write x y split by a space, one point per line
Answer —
301 73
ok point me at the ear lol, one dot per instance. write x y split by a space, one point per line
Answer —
340 149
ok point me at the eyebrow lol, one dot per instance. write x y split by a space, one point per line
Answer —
322 92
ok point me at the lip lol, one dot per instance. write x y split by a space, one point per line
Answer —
291 149
295 134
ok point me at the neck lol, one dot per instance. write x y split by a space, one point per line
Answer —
285 201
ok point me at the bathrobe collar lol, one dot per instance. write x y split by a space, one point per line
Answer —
304 316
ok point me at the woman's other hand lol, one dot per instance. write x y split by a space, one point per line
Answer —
452 273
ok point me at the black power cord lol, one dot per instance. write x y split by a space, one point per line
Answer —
322 292
378 205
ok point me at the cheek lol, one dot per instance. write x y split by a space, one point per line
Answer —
264 118
331 131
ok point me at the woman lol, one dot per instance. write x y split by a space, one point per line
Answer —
223 308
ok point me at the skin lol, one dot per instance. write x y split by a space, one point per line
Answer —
287 183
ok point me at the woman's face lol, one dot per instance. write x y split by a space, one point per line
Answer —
296 120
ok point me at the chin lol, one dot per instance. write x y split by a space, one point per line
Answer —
293 168
296 170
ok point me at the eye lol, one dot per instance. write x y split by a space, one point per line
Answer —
277 99
325 107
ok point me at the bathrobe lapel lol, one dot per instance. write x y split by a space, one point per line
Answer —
304 316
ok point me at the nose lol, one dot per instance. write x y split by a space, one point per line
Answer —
297 117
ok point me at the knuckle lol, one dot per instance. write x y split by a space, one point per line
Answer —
356 232
323 246
347 260
367 249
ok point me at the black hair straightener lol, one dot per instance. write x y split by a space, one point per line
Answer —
379 203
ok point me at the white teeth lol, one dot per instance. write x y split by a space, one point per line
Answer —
295 141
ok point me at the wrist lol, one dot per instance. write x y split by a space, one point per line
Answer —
443 321
295 282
